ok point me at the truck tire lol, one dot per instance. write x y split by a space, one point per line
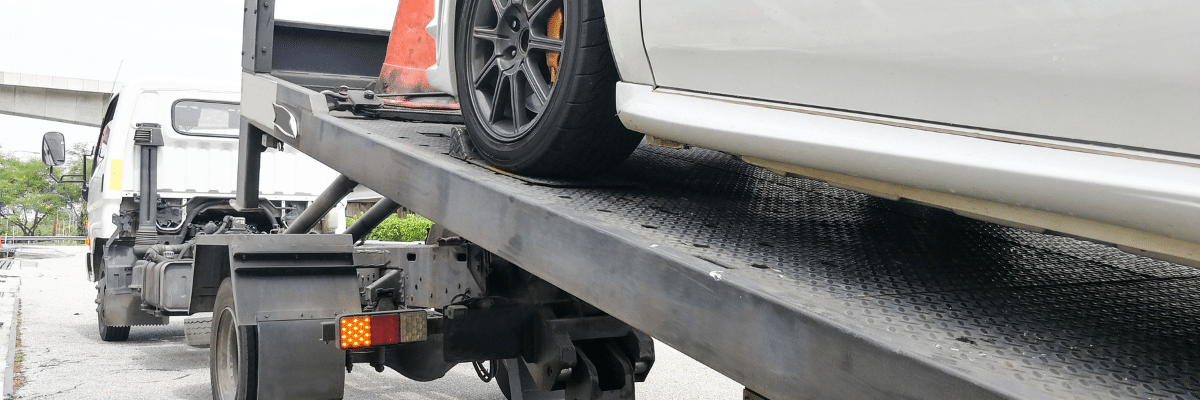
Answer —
536 85
107 333
232 352
502 380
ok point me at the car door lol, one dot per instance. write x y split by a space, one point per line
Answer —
1120 73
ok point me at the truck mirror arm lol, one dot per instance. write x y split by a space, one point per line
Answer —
80 178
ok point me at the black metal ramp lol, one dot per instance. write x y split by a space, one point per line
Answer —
799 289
1035 315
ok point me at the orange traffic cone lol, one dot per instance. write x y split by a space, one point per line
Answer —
410 52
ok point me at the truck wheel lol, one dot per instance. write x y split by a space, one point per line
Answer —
107 333
502 380
233 352
536 83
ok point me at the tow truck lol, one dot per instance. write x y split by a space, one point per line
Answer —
793 287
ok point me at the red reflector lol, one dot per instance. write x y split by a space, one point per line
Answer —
385 329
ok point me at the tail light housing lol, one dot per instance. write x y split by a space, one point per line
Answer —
360 331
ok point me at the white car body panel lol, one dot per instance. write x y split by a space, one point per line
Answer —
621 17
441 28
1120 72
189 165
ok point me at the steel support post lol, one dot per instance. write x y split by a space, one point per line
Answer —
258 25
250 150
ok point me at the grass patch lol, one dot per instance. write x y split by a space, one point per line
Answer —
18 379
411 228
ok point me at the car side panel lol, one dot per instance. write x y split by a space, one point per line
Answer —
1118 72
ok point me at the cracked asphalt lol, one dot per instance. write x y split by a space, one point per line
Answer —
64 358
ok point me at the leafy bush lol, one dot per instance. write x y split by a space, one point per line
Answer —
411 228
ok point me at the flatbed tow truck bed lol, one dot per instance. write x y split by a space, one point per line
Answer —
795 288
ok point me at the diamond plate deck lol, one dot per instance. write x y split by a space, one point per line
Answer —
891 297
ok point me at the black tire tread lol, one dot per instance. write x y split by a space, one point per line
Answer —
107 333
114 333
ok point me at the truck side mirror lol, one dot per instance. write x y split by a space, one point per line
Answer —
54 149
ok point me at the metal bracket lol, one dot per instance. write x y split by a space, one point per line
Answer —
356 101
460 144
391 283
63 177
370 104
295 315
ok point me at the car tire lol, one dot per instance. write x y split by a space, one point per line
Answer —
524 115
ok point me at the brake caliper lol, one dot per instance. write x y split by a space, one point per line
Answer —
554 31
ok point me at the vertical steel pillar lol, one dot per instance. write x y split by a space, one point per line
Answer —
258 25
257 34
250 150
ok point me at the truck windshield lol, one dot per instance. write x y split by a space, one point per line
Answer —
205 118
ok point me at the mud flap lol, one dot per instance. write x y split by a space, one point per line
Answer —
284 287
293 363
121 307
126 310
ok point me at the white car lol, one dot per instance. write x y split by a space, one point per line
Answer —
1073 117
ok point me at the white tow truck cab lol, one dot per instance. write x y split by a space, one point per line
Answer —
199 123
183 136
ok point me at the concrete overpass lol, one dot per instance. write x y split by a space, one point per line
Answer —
53 98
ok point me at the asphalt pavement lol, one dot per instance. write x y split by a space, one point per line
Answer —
62 357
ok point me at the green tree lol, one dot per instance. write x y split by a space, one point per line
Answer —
28 195
72 193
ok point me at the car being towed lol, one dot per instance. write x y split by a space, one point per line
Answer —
1071 117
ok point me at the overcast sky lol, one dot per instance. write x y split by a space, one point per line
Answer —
145 38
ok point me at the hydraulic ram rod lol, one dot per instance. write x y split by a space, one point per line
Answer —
340 187
372 218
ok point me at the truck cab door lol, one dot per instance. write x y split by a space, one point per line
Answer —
96 178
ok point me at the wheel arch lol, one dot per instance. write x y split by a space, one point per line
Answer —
621 16
95 259
623 20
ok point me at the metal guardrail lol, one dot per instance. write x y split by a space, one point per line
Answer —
4 240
